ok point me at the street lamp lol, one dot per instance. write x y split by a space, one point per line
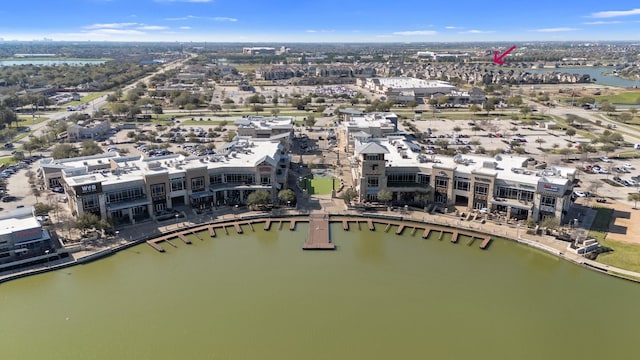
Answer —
518 231
47 253
177 216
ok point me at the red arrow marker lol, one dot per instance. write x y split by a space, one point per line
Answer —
498 59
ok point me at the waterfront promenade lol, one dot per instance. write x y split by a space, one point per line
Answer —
129 236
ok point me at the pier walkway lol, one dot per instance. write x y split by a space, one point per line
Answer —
318 238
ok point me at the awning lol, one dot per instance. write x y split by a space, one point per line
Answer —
201 194
127 205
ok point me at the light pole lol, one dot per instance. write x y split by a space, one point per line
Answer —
518 231
46 252
177 216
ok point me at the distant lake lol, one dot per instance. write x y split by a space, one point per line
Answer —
595 73
50 62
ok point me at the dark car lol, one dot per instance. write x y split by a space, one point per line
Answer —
9 198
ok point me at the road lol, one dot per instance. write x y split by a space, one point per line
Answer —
563 111
39 128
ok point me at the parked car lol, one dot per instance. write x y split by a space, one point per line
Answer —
605 159
579 193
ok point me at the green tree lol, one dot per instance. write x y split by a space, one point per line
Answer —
570 132
349 195
550 223
287 196
157 109
229 136
64 151
625 117
385 196
489 105
85 222
525 110
259 198
635 197
475 108
608 108
310 121
514 101
607 148
90 147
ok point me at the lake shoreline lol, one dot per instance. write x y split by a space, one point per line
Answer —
407 221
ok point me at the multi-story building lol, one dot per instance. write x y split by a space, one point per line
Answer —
22 239
375 125
127 189
89 130
259 50
503 184
404 89
264 127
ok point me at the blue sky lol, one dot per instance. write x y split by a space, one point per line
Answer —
319 21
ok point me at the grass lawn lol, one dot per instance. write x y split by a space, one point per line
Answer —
86 99
7 160
320 185
627 97
624 255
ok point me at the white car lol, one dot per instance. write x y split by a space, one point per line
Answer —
579 193
605 159
628 166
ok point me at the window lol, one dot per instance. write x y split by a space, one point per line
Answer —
215 179
157 190
442 182
526 195
548 201
461 184
90 202
125 195
265 180
401 179
197 183
240 178
515 194
481 189
372 182
424 179
177 184
374 157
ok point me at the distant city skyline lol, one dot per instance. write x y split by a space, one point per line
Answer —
326 21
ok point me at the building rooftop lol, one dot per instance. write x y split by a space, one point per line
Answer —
13 224
243 152
265 123
412 83
402 153
380 120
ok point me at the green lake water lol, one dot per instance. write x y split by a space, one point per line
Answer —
379 296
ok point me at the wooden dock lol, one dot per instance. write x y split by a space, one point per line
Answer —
485 243
267 224
345 225
454 237
426 232
212 231
371 226
184 239
318 238
292 224
238 227
400 229
155 245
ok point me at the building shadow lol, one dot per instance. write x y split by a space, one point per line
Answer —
618 229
